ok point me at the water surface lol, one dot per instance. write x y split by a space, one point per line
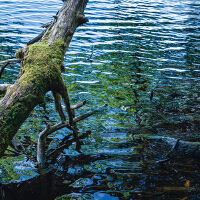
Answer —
128 50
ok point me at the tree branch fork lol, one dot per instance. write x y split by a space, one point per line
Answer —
37 76
41 157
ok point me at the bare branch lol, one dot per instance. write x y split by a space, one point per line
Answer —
50 129
65 98
78 105
47 24
58 106
15 152
37 38
6 62
68 143
91 53
41 158
10 61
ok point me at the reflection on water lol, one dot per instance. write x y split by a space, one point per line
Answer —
142 59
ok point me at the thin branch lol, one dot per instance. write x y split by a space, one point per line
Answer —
6 62
47 29
19 154
65 98
47 24
66 123
59 148
69 142
58 106
2 69
50 129
91 53
163 161
10 61
63 124
37 38
15 152
75 129
78 105
174 148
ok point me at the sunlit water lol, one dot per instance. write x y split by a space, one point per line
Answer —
127 50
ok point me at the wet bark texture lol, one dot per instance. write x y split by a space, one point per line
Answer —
40 71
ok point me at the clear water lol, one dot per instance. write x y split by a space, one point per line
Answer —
127 49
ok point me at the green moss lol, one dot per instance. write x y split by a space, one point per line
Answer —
18 53
41 71
1 106
42 64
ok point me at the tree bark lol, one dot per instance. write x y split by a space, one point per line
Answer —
40 71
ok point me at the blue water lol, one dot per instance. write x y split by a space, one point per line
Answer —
127 49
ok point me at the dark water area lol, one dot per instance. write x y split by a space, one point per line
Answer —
142 58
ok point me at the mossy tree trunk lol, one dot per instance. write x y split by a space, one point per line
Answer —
40 71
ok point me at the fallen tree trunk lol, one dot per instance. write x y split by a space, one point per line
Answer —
183 148
179 148
41 71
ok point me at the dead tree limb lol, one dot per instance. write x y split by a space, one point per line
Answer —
10 61
41 158
40 71
34 40
5 64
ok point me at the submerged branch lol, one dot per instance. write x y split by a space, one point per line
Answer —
17 145
91 53
63 124
78 105
50 129
171 153
69 142
15 152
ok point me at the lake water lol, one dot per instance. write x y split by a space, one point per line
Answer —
127 50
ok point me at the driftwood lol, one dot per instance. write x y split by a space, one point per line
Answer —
40 72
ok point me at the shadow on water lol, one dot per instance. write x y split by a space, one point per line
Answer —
131 173
142 59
